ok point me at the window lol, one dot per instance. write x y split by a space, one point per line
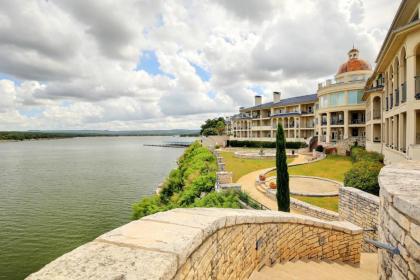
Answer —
355 97
340 99
333 100
323 101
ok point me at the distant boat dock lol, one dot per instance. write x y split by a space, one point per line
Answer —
171 144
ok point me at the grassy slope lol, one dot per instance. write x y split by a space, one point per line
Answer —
240 166
330 203
333 167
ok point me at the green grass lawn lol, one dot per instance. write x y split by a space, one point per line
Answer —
330 203
333 167
240 166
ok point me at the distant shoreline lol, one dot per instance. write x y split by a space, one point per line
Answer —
16 136
90 136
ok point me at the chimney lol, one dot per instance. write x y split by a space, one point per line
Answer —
258 100
276 96
319 85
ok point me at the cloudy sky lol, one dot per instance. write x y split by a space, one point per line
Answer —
151 64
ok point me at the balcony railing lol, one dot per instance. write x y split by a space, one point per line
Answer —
417 87
403 92
397 97
323 122
337 122
357 121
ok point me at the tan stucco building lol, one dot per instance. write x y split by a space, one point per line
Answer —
379 108
392 93
259 122
341 113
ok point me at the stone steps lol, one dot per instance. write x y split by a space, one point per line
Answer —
314 270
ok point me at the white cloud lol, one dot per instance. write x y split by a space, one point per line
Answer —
72 64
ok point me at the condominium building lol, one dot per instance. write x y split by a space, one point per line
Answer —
379 108
259 122
341 113
393 92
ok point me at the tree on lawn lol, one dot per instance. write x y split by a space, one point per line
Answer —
283 196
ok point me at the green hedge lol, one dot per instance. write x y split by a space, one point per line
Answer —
364 173
364 176
185 185
264 144
359 154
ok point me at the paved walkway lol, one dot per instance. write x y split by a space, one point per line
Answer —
248 185
312 185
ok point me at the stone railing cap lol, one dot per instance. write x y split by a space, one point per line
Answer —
162 242
400 183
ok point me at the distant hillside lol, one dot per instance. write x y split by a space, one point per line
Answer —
45 134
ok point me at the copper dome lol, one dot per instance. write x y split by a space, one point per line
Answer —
354 63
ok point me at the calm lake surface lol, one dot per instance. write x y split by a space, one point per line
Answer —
58 194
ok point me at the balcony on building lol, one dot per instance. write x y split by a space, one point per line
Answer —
357 117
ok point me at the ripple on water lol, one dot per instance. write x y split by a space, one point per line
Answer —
58 194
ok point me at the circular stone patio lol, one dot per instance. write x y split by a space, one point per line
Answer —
311 186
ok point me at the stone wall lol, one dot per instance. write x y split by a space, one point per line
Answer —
399 220
204 243
312 210
362 209
307 209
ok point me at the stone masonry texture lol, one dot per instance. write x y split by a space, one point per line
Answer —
206 243
362 209
399 220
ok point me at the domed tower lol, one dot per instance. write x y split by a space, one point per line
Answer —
341 113
354 63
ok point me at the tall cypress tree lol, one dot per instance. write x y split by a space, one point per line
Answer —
283 196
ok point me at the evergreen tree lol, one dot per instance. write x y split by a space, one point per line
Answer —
283 196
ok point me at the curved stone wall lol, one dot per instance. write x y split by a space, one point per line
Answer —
399 220
203 243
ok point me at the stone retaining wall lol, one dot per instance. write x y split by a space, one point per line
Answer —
399 220
312 210
362 209
306 208
204 243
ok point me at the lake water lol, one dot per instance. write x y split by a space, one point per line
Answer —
58 194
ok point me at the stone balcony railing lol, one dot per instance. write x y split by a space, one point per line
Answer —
204 243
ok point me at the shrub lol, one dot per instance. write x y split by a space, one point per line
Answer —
218 200
364 176
319 148
359 154
331 150
196 174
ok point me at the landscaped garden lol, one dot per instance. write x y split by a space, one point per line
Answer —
332 167
240 166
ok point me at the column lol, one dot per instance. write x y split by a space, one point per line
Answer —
328 127
411 73
400 131
346 124
318 127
